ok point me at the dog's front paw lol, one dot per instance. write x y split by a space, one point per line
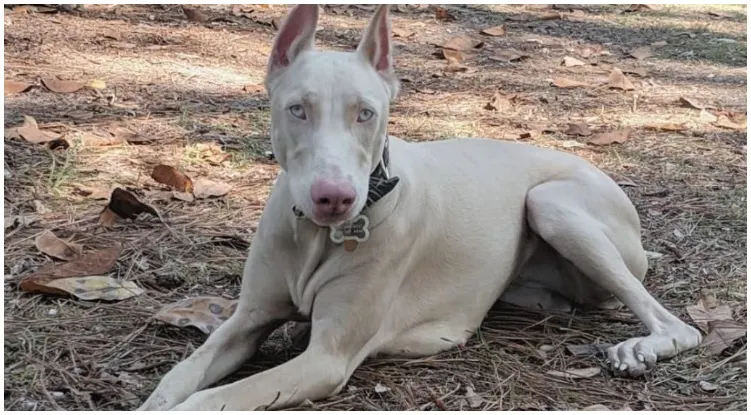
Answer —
637 356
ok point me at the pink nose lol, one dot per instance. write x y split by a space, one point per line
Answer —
332 198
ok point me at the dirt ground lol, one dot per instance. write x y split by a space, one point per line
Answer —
190 89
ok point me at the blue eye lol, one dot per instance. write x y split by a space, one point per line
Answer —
297 111
365 115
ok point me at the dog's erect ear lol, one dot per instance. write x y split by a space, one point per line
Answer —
375 46
296 35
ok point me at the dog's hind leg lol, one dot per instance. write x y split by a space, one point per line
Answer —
589 221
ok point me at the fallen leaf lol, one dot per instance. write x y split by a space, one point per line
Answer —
62 86
617 136
443 15
567 83
500 102
725 122
462 43
659 43
380 388
708 310
642 52
473 399
123 133
510 56
93 140
549 16
30 131
568 61
584 373
92 287
578 13
172 177
670 126
96 193
53 246
637 8
195 15
123 205
636 71
494 31
96 262
721 335
203 313
690 102
455 66
618 80
403 33
203 188
111 34
452 55
254 88
15 87
96 84
578 129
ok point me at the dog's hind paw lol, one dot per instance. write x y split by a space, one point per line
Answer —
637 356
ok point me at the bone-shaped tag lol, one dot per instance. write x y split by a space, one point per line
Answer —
354 230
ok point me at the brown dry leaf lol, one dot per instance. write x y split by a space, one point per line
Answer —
462 43
618 80
172 177
403 33
185 197
690 102
567 83
636 71
617 136
443 15
195 15
93 140
725 122
204 313
721 335
53 246
254 88
584 373
30 131
581 129
642 52
500 102
111 34
203 188
62 86
96 193
708 310
97 262
107 217
452 55
510 56
568 61
494 31
454 66
670 126
15 87
94 287
124 205
123 133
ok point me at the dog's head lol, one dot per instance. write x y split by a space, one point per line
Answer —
329 112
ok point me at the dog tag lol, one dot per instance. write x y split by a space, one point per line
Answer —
355 230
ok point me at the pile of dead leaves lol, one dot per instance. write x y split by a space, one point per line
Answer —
82 275
716 321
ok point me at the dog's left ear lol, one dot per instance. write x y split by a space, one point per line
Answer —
375 48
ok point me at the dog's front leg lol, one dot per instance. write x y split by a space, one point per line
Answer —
264 304
346 325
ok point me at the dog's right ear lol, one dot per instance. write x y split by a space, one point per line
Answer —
296 35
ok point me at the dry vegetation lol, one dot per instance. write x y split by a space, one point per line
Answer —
188 87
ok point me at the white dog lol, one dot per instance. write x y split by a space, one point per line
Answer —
402 248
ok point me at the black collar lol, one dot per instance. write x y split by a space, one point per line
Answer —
379 183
